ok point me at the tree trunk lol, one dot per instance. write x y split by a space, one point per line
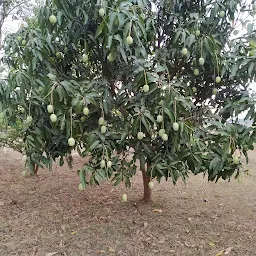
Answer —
36 166
146 180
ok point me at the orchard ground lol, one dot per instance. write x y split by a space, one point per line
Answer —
47 215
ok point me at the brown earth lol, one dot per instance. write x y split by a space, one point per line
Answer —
47 215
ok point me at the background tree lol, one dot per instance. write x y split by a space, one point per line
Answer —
12 14
14 10
160 82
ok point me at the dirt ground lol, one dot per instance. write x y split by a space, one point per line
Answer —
47 215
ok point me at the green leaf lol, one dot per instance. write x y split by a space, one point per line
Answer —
110 39
126 30
160 68
34 61
82 178
170 114
112 17
149 116
123 137
183 37
100 176
142 28
177 35
61 161
135 125
67 85
192 38
214 163
123 54
29 137
147 150
145 123
234 70
49 42
63 123
100 28
249 28
94 145
250 68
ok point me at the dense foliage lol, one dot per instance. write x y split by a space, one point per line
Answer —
165 79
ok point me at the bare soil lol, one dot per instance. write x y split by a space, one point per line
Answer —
47 215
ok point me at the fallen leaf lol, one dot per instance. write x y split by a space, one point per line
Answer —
108 202
228 250
54 232
211 244
220 253
74 233
100 252
225 251
34 251
158 210
110 249
61 243
51 253
63 228
187 244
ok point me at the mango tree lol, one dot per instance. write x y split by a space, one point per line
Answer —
162 83
13 10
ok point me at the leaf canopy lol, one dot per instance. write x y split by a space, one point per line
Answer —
85 60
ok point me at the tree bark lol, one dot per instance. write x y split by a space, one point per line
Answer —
36 167
146 180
